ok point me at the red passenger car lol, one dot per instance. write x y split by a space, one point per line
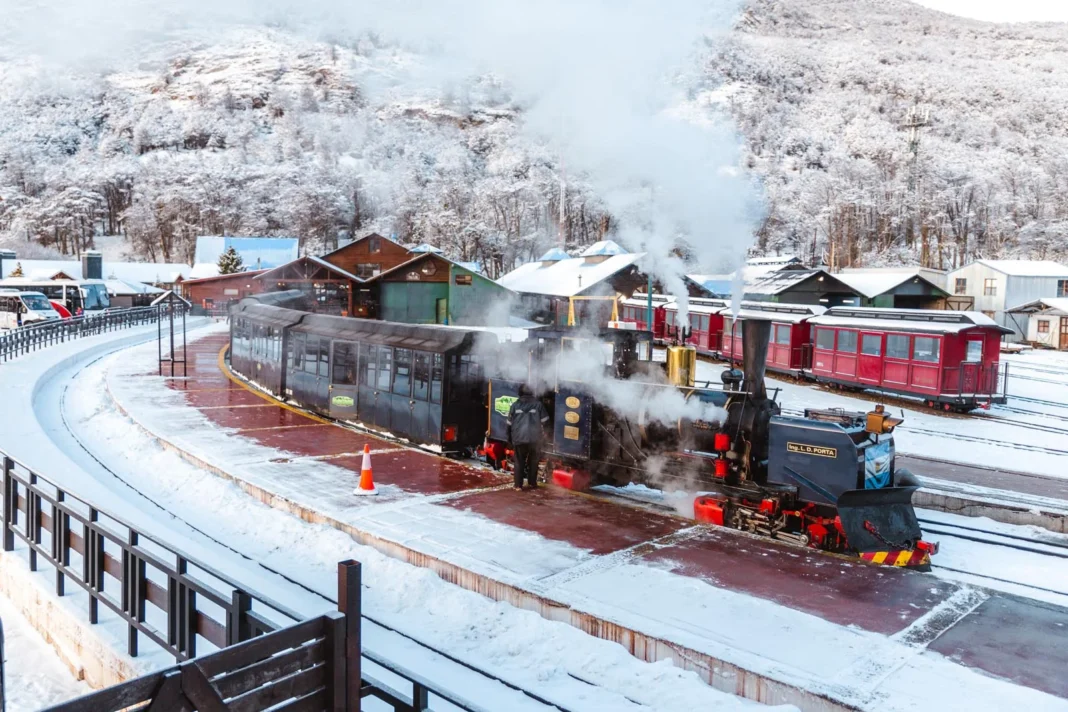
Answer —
790 349
948 358
635 310
706 323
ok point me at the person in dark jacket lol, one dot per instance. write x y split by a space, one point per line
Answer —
526 432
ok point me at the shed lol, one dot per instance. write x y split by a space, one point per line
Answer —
894 288
548 288
1045 321
331 289
221 290
432 289
803 286
994 286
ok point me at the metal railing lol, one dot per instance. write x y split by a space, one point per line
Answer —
173 599
3 679
25 339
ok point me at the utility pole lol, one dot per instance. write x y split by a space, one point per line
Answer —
915 121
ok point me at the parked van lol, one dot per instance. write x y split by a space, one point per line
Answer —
24 308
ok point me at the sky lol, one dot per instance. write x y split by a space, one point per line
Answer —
1003 10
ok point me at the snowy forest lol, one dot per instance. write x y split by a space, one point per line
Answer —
880 133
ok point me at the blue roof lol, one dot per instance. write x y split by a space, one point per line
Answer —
256 252
604 247
425 247
553 255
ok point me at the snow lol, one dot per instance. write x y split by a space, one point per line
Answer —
66 384
853 665
1027 268
1056 304
425 247
34 676
554 254
1033 575
932 327
607 248
984 442
872 284
565 278
1001 11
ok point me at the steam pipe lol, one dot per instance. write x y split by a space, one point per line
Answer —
756 334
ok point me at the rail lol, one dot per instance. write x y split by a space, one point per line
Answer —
3 679
172 599
25 339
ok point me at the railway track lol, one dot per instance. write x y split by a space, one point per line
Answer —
1040 401
974 438
371 621
1015 542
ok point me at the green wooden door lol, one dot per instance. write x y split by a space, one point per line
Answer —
443 311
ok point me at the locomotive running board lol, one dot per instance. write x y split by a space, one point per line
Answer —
879 519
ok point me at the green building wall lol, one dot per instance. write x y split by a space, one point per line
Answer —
412 302
481 303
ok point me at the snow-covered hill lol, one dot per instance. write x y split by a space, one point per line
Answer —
264 130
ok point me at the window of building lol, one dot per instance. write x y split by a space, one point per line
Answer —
825 339
385 367
463 279
368 365
421 376
367 270
897 346
990 287
1062 287
961 287
782 334
437 375
344 372
847 342
402 372
374 244
925 348
871 345
1043 326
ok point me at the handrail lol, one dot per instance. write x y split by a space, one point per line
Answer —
148 569
32 337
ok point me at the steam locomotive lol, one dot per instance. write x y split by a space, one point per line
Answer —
827 480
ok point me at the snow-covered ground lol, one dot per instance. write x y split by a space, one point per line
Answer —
34 677
520 646
853 664
992 440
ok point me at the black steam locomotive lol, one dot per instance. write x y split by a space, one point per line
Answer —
827 480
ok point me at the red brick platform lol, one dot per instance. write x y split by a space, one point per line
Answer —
1013 639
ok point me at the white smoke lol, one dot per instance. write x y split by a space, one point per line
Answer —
613 87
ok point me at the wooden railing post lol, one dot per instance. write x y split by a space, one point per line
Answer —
349 593
11 503
238 628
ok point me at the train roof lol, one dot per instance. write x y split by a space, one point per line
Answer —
936 321
774 311
424 337
639 300
701 305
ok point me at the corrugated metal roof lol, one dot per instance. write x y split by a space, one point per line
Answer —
872 283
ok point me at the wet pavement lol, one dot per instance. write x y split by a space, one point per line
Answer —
1015 639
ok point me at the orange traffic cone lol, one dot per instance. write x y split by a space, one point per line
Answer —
367 481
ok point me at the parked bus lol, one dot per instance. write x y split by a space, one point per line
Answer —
84 296
24 308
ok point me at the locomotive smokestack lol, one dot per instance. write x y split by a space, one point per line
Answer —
756 333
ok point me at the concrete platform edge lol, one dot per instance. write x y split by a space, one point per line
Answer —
1004 512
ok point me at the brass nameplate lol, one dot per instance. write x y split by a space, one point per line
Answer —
812 450
571 432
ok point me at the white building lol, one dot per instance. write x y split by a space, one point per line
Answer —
995 286
1045 321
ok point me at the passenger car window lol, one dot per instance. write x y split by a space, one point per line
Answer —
311 355
437 375
897 346
385 367
847 342
402 372
421 376
825 339
344 371
925 349
368 365
871 345
782 334
975 351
